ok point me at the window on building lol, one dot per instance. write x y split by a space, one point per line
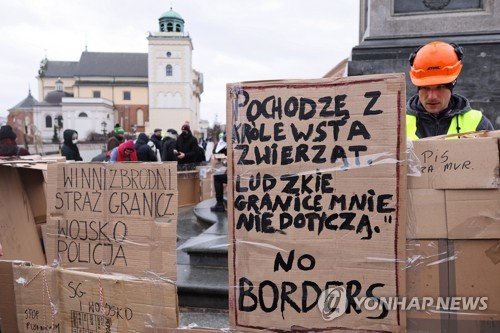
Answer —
59 121
162 27
48 121
178 28
170 27
96 94
82 115
169 70
169 54
126 95
140 117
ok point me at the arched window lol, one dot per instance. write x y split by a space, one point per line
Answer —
178 28
48 121
82 115
140 117
162 27
170 27
168 70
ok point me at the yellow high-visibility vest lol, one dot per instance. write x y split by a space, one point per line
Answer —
468 123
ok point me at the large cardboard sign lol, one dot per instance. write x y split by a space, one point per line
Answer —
317 193
108 218
59 300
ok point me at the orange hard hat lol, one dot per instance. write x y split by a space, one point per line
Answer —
436 63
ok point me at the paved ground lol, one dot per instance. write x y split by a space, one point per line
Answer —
208 318
188 226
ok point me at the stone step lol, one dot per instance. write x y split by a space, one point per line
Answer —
202 273
202 287
210 247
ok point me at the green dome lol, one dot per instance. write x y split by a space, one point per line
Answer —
172 15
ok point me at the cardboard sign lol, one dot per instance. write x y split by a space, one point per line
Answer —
58 300
465 163
113 218
18 233
317 194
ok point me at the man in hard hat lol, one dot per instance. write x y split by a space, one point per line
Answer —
436 110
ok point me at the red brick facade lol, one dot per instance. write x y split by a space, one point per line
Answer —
17 120
126 116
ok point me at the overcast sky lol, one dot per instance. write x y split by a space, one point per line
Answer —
234 41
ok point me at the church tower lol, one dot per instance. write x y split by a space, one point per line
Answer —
174 87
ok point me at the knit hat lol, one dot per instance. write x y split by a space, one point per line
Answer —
186 127
119 130
6 132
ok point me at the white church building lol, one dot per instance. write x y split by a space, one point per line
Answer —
139 91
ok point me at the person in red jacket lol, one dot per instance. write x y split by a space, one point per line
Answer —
126 152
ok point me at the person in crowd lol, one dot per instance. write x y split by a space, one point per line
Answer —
69 148
8 145
144 148
186 147
436 110
209 149
220 178
125 152
105 156
169 145
119 133
156 138
221 147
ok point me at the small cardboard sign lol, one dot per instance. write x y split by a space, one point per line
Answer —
113 218
58 300
316 203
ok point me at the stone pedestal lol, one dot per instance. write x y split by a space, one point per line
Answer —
391 30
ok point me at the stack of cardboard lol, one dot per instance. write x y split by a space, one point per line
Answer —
111 233
189 187
207 190
453 231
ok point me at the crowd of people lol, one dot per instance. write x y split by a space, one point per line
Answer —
160 146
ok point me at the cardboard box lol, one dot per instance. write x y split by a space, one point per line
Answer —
426 218
427 276
133 247
34 185
475 272
18 232
473 214
465 163
8 316
206 182
68 301
454 268
189 188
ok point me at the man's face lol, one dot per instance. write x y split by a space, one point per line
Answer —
158 134
435 98
128 151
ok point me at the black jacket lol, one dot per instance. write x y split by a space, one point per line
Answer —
187 144
156 141
144 152
69 149
168 146
429 124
